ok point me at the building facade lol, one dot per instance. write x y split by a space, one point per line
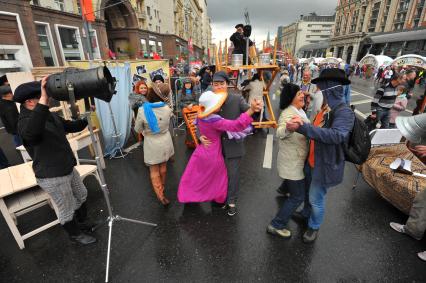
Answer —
308 29
378 27
40 33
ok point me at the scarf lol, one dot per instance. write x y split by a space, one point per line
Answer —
231 135
150 116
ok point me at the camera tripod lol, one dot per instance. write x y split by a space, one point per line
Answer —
111 219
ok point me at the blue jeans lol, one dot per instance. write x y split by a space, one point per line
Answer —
297 196
317 195
383 116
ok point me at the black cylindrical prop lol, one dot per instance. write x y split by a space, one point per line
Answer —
97 82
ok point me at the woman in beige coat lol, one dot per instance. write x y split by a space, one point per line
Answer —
153 122
293 150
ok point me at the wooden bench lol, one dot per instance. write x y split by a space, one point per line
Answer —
19 194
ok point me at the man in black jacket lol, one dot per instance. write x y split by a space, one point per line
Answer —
240 43
44 136
9 113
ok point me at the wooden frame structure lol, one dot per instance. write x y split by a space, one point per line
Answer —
273 68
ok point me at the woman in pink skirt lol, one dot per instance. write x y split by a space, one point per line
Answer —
205 177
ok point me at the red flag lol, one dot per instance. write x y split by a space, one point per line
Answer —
87 10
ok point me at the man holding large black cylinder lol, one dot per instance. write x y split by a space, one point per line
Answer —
239 39
44 137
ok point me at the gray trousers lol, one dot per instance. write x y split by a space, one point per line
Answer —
67 192
416 223
233 168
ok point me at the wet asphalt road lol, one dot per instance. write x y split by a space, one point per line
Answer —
200 244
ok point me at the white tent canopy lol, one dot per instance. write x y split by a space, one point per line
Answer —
410 60
376 60
303 60
315 60
330 60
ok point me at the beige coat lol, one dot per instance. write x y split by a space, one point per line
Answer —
157 148
293 148
255 89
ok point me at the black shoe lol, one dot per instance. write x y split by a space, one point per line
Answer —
218 205
232 210
310 235
83 239
299 217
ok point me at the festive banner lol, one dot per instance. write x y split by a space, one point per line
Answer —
87 10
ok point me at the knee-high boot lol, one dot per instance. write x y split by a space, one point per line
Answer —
158 187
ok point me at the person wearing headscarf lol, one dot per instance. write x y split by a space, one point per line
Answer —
292 153
205 178
153 122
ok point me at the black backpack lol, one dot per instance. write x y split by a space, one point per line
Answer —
358 145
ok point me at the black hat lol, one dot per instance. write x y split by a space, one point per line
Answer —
158 77
332 74
3 80
27 91
288 93
5 89
220 77
239 26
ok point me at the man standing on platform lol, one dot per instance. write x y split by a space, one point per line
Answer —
44 137
240 42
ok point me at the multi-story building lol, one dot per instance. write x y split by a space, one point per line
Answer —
389 27
308 29
50 32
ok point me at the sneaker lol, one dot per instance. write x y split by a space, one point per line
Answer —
283 233
397 227
310 235
422 255
232 209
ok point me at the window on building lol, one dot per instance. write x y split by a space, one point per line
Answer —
152 48
36 2
160 48
143 47
95 46
148 10
7 56
70 43
60 4
45 44
78 8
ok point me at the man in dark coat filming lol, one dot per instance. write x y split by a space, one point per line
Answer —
44 137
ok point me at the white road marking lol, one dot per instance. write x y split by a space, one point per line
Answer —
359 113
361 101
267 160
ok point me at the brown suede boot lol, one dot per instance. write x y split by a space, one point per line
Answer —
159 190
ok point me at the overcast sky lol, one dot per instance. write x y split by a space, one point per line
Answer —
264 15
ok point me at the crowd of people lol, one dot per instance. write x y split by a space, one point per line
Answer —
313 127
